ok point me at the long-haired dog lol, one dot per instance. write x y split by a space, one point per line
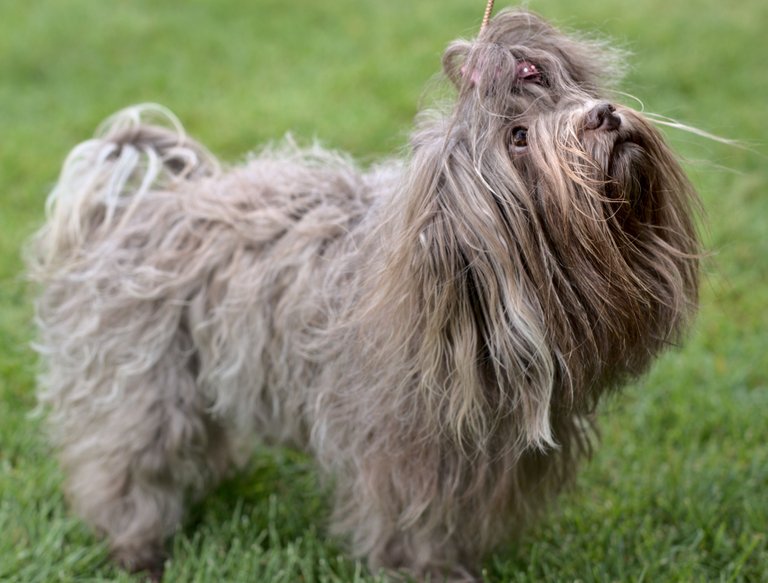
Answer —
436 331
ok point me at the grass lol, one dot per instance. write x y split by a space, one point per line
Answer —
678 490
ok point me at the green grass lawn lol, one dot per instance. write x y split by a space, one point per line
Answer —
678 489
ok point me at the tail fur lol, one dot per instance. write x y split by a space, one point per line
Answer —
137 149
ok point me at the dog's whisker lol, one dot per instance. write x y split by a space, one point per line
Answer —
672 123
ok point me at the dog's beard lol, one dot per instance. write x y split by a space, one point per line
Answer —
621 171
629 171
634 249
632 158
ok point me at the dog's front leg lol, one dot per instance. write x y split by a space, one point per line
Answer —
403 515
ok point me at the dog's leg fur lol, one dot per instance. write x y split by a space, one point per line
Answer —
433 514
126 415
129 475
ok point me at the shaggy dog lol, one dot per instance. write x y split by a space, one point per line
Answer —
436 331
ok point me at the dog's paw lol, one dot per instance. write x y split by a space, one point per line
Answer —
149 559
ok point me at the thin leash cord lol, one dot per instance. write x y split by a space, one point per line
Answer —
487 15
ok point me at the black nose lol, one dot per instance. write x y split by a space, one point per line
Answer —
602 117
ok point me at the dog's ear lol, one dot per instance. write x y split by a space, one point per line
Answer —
562 63
479 343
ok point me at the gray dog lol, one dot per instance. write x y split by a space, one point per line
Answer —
436 331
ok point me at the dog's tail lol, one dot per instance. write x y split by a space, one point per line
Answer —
138 149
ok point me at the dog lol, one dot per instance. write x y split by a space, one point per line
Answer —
435 330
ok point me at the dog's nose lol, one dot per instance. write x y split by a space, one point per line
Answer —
603 117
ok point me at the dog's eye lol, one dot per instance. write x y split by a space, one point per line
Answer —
519 137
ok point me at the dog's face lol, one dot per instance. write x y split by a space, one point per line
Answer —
608 161
539 97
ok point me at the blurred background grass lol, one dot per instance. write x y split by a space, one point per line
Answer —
677 491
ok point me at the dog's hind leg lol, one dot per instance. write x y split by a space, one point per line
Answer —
134 445
126 414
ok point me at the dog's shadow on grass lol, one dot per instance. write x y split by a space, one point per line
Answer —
278 489
277 505
268 521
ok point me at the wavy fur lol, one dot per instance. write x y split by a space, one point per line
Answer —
436 331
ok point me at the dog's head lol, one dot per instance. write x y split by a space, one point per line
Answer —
548 236
520 61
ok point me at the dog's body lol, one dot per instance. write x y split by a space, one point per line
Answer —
437 332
